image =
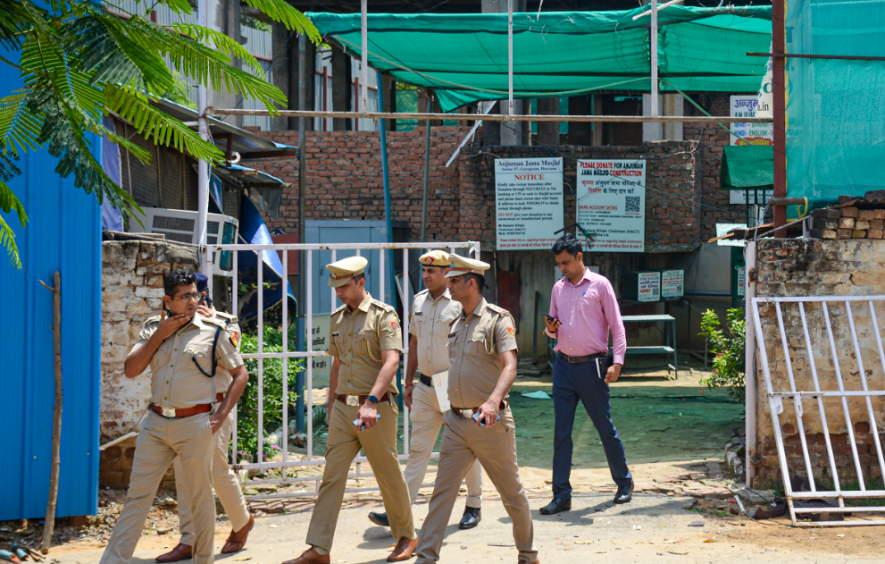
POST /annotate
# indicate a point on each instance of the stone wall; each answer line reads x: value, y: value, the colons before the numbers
x: 132, y: 290
x: 672, y: 220
x: 807, y: 267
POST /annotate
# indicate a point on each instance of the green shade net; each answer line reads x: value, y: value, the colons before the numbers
x: 747, y: 166
x: 464, y: 57
x: 835, y: 108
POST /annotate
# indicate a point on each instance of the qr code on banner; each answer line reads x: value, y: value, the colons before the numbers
x: 632, y: 204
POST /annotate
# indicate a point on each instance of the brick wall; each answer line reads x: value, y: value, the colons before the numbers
x: 712, y: 139
x: 807, y: 267
x: 132, y: 290
x: 344, y: 179
x: 672, y: 222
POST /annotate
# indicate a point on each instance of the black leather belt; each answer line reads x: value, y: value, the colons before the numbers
x: 427, y: 381
x: 582, y: 359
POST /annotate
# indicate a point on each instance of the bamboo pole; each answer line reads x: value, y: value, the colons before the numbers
x: 56, y: 415
x: 486, y: 117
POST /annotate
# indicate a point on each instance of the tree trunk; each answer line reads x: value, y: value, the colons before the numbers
x: 56, y: 424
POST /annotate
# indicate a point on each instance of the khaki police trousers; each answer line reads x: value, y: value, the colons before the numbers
x: 159, y: 441
x: 463, y: 443
x: 343, y: 444
x: 227, y: 487
x: 427, y: 419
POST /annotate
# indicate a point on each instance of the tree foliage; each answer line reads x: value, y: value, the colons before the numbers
x: 79, y: 62
x: 728, y: 364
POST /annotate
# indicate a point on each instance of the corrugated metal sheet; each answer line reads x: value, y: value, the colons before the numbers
x: 64, y: 233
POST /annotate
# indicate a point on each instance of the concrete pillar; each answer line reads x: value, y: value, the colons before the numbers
x: 670, y: 105
x: 342, y: 88
x: 548, y: 131
x: 389, y: 93
x: 285, y: 76
x: 284, y: 72
x: 596, y: 133
x: 311, y: 77
x: 508, y: 133
x: 580, y: 133
x: 226, y: 20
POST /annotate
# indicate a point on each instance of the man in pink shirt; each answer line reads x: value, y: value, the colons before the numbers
x: 583, y: 309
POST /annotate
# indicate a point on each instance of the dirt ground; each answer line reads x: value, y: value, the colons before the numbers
x: 674, y: 436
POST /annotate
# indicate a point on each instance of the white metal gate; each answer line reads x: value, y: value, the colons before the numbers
x: 816, y: 343
x: 405, y: 293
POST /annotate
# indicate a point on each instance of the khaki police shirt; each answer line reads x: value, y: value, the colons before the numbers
x: 176, y: 382
x: 223, y: 379
x: 357, y: 338
x: 429, y: 323
x: 475, y: 341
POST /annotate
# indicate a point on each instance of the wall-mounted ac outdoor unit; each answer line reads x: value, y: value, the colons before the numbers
x: 181, y: 226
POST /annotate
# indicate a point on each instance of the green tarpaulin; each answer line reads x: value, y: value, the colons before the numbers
x: 835, y: 115
x: 463, y: 57
x: 747, y: 167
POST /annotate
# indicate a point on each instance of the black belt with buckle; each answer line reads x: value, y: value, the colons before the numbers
x: 582, y: 359
x: 427, y: 381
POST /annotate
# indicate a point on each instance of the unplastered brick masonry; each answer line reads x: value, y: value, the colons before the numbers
x: 344, y: 181
x: 132, y: 290
x: 809, y: 267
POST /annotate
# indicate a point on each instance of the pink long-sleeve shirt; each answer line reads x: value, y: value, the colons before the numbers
x: 587, y: 311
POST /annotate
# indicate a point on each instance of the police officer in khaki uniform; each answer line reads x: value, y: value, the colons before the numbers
x: 181, y: 349
x: 433, y: 310
x: 482, y: 367
x: 225, y: 481
x: 366, y: 341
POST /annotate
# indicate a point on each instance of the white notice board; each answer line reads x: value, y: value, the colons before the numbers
x: 322, y: 365
x: 529, y: 203
x: 611, y: 204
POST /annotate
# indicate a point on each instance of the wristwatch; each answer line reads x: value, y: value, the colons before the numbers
x: 373, y: 399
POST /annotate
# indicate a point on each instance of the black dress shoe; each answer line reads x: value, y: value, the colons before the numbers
x: 556, y: 506
x: 472, y: 517
x: 624, y: 494
x: 379, y: 519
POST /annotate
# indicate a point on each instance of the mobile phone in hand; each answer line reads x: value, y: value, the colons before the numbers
x: 483, y: 423
x: 363, y: 426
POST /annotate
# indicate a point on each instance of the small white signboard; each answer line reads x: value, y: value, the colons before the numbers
x: 649, y: 286
x: 322, y: 365
x: 672, y: 283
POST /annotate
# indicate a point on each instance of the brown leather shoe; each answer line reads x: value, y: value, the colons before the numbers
x: 310, y: 556
x: 403, y: 550
x: 180, y: 552
x: 237, y: 539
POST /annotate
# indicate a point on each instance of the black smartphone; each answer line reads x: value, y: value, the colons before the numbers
x: 549, y: 318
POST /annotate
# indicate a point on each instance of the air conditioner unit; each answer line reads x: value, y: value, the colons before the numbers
x: 181, y: 226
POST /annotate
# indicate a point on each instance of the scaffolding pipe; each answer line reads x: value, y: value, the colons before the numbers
x: 300, y: 329
x: 364, y: 64
x: 391, y: 269
x: 426, y: 172
x: 203, y: 165
x: 487, y: 117
x: 653, y: 32
x: 779, y: 113
x: 510, y: 57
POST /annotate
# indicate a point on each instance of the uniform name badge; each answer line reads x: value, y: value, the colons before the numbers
x: 441, y: 387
